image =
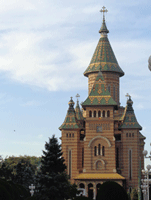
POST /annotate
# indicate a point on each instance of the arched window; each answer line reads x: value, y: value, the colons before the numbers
x: 99, y: 149
x: 81, y: 185
x: 103, y: 151
x: 103, y: 113
x: 90, y: 113
x: 99, y: 113
x: 132, y: 134
x: 126, y: 134
x: 67, y: 135
x: 129, y: 134
x: 70, y: 135
x: 108, y: 113
x: 95, y: 113
x: 95, y: 151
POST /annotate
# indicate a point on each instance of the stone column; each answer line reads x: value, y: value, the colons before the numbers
x: 86, y: 189
x: 94, y: 190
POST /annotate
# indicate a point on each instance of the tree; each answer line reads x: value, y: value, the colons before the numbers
x: 111, y: 191
x: 24, y: 173
x: 53, y: 180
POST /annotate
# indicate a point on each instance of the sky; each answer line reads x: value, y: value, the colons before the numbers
x: 46, y: 45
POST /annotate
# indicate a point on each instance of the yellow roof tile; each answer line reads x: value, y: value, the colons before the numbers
x: 100, y: 176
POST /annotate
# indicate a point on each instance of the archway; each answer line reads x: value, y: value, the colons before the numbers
x: 90, y: 190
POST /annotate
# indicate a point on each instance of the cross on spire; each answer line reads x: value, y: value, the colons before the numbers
x: 103, y: 10
x: 128, y: 96
x: 77, y: 96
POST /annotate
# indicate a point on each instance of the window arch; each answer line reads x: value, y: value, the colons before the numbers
x: 103, y: 113
x: 90, y: 113
x: 99, y: 113
x: 103, y: 151
x: 94, y: 113
x: 108, y: 113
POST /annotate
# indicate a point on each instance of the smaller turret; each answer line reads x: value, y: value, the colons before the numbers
x: 70, y: 121
x: 129, y: 118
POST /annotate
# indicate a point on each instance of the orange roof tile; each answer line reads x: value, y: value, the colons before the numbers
x: 100, y: 176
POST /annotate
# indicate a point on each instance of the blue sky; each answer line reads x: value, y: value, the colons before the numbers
x: 46, y: 45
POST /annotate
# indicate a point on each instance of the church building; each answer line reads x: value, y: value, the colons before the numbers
x: 102, y: 140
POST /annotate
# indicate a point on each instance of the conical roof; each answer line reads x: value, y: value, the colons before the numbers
x: 70, y: 121
x: 103, y: 58
x: 78, y: 112
x: 129, y: 118
x: 99, y: 94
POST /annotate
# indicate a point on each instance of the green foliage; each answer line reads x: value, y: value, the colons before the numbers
x: 111, y: 191
x: 11, y: 191
x: 134, y: 194
x: 52, y: 178
x: 24, y: 173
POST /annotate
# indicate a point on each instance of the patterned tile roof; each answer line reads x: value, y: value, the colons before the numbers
x: 99, y: 94
x: 103, y: 58
x: 70, y: 121
x: 78, y: 112
x: 141, y: 136
x: 129, y: 118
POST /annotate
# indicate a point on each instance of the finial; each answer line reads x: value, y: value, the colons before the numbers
x: 128, y: 96
x: 103, y: 10
x: 77, y: 96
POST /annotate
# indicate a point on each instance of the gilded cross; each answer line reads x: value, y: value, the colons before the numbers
x: 77, y: 96
x: 103, y: 10
x: 127, y: 95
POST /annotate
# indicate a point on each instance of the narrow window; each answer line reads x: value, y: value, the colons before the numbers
x: 130, y: 164
x: 72, y: 134
x: 126, y: 134
x: 103, y: 151
x: 82, y: 157
x: 109, y: 88
x: 67, y: 135
x: 114, y: 92
x: 99, y: 149
x: 117, y: 157
x: 103, y: 113
x: 129, y: 134
x: 99, y: 113
x: 95, y: 151
x: 132, y: 134
x: 108, y: 113
x: 69, y: 164
x: 90, y: 113
x: 94, y: 113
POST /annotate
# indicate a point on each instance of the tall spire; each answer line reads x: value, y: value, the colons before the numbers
x: 103, y: 58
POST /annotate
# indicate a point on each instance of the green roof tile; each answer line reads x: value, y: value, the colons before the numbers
x: 99, y: 94
x: 70, y: 121
x: 129, y: 118
x: 103, y: 58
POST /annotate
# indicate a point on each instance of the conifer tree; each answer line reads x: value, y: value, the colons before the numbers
x: 53, y: 180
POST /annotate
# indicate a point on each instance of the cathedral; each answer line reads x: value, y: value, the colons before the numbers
x: 101, y: 141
